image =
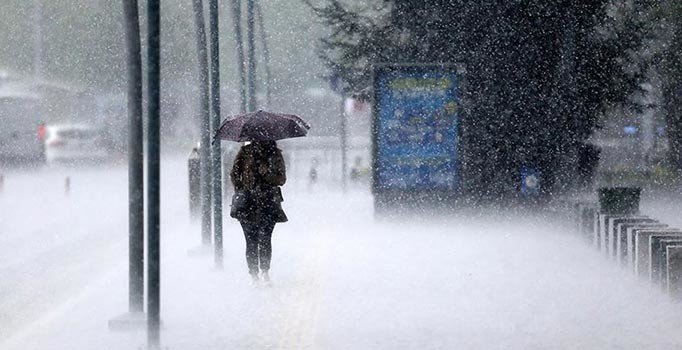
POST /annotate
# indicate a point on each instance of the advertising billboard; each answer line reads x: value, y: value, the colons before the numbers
x: 415, y: 130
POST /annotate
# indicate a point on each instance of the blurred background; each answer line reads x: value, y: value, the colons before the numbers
x: 62, y: 71
x: 63, y: 77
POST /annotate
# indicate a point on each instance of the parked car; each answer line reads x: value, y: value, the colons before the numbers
x: 76, y: 143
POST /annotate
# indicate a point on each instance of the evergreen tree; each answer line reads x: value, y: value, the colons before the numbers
x: 538, y: 74
x: 667, y: 25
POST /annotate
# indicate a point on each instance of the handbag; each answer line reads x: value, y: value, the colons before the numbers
x: 240, y: 204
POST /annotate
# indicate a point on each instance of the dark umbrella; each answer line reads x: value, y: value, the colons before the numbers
x: 262, y: 126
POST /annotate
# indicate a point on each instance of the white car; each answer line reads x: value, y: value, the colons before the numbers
x: 74, y: 143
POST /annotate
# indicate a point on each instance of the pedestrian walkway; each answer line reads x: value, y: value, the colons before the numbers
x: 344, y: 281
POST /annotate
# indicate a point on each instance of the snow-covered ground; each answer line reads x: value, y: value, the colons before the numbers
x: 341, y: 279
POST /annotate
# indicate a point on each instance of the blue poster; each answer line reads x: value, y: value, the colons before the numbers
x: 415, y: 128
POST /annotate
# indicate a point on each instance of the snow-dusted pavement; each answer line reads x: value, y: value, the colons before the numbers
x: 341, y: 279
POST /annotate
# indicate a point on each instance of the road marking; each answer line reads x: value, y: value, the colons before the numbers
x: 18, y: 338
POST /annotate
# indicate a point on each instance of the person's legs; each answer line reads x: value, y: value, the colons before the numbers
x: 265, y: 245
x: 251, y: 234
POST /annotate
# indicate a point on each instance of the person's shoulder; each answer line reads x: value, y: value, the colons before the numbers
x: 246, y: 149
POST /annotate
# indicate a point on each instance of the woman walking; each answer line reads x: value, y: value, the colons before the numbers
x: 257, y: 175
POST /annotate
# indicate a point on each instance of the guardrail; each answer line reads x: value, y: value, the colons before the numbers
x: 639, y: 243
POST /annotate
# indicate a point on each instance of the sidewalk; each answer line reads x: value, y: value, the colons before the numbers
x: 343, y: 281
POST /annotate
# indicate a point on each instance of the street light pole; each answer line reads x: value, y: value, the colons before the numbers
x: 153, y: 173
x: 567, y: 93
x: 237, y: 19
x: 250, y: 17
x: 266, y: 54
x: 135, y: 160
x: 344, y: 143
x: 37, y: 40
x: 215, y: 103
x: 204, y: 125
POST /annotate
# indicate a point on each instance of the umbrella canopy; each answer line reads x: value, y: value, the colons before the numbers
x: 262, y: 126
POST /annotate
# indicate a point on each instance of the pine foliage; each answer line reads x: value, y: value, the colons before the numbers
x: 539, y: 73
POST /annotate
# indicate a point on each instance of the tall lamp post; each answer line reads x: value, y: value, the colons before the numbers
x: 204, y: 124
x: 135, y: 159
x: 266, y: 53
x: 250, y: 19
x: 153, y: 174
x: 37, y: 40
x: 236, y: 22
x: 135, y: 316
x: 215, y: 123
x: 343, y: 131
x: 336, y: 85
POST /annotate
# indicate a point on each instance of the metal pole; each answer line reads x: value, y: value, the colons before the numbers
x: 344, y: 143
x: 568, y: 150
x: 37, y: 40
x: 204, y: 125
x: 266, y: 54
x: 135, y: 160
x: 237, y: 19
x: 154, y: 174
x: 251, y: 55
x: 215, y: 151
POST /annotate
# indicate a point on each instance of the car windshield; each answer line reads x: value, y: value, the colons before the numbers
x: 77, y: 134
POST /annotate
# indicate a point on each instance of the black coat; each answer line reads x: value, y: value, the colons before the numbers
x: 257, y: 175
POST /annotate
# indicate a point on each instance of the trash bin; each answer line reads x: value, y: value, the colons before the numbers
x: 619, y: 200
x: 194, y: 172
